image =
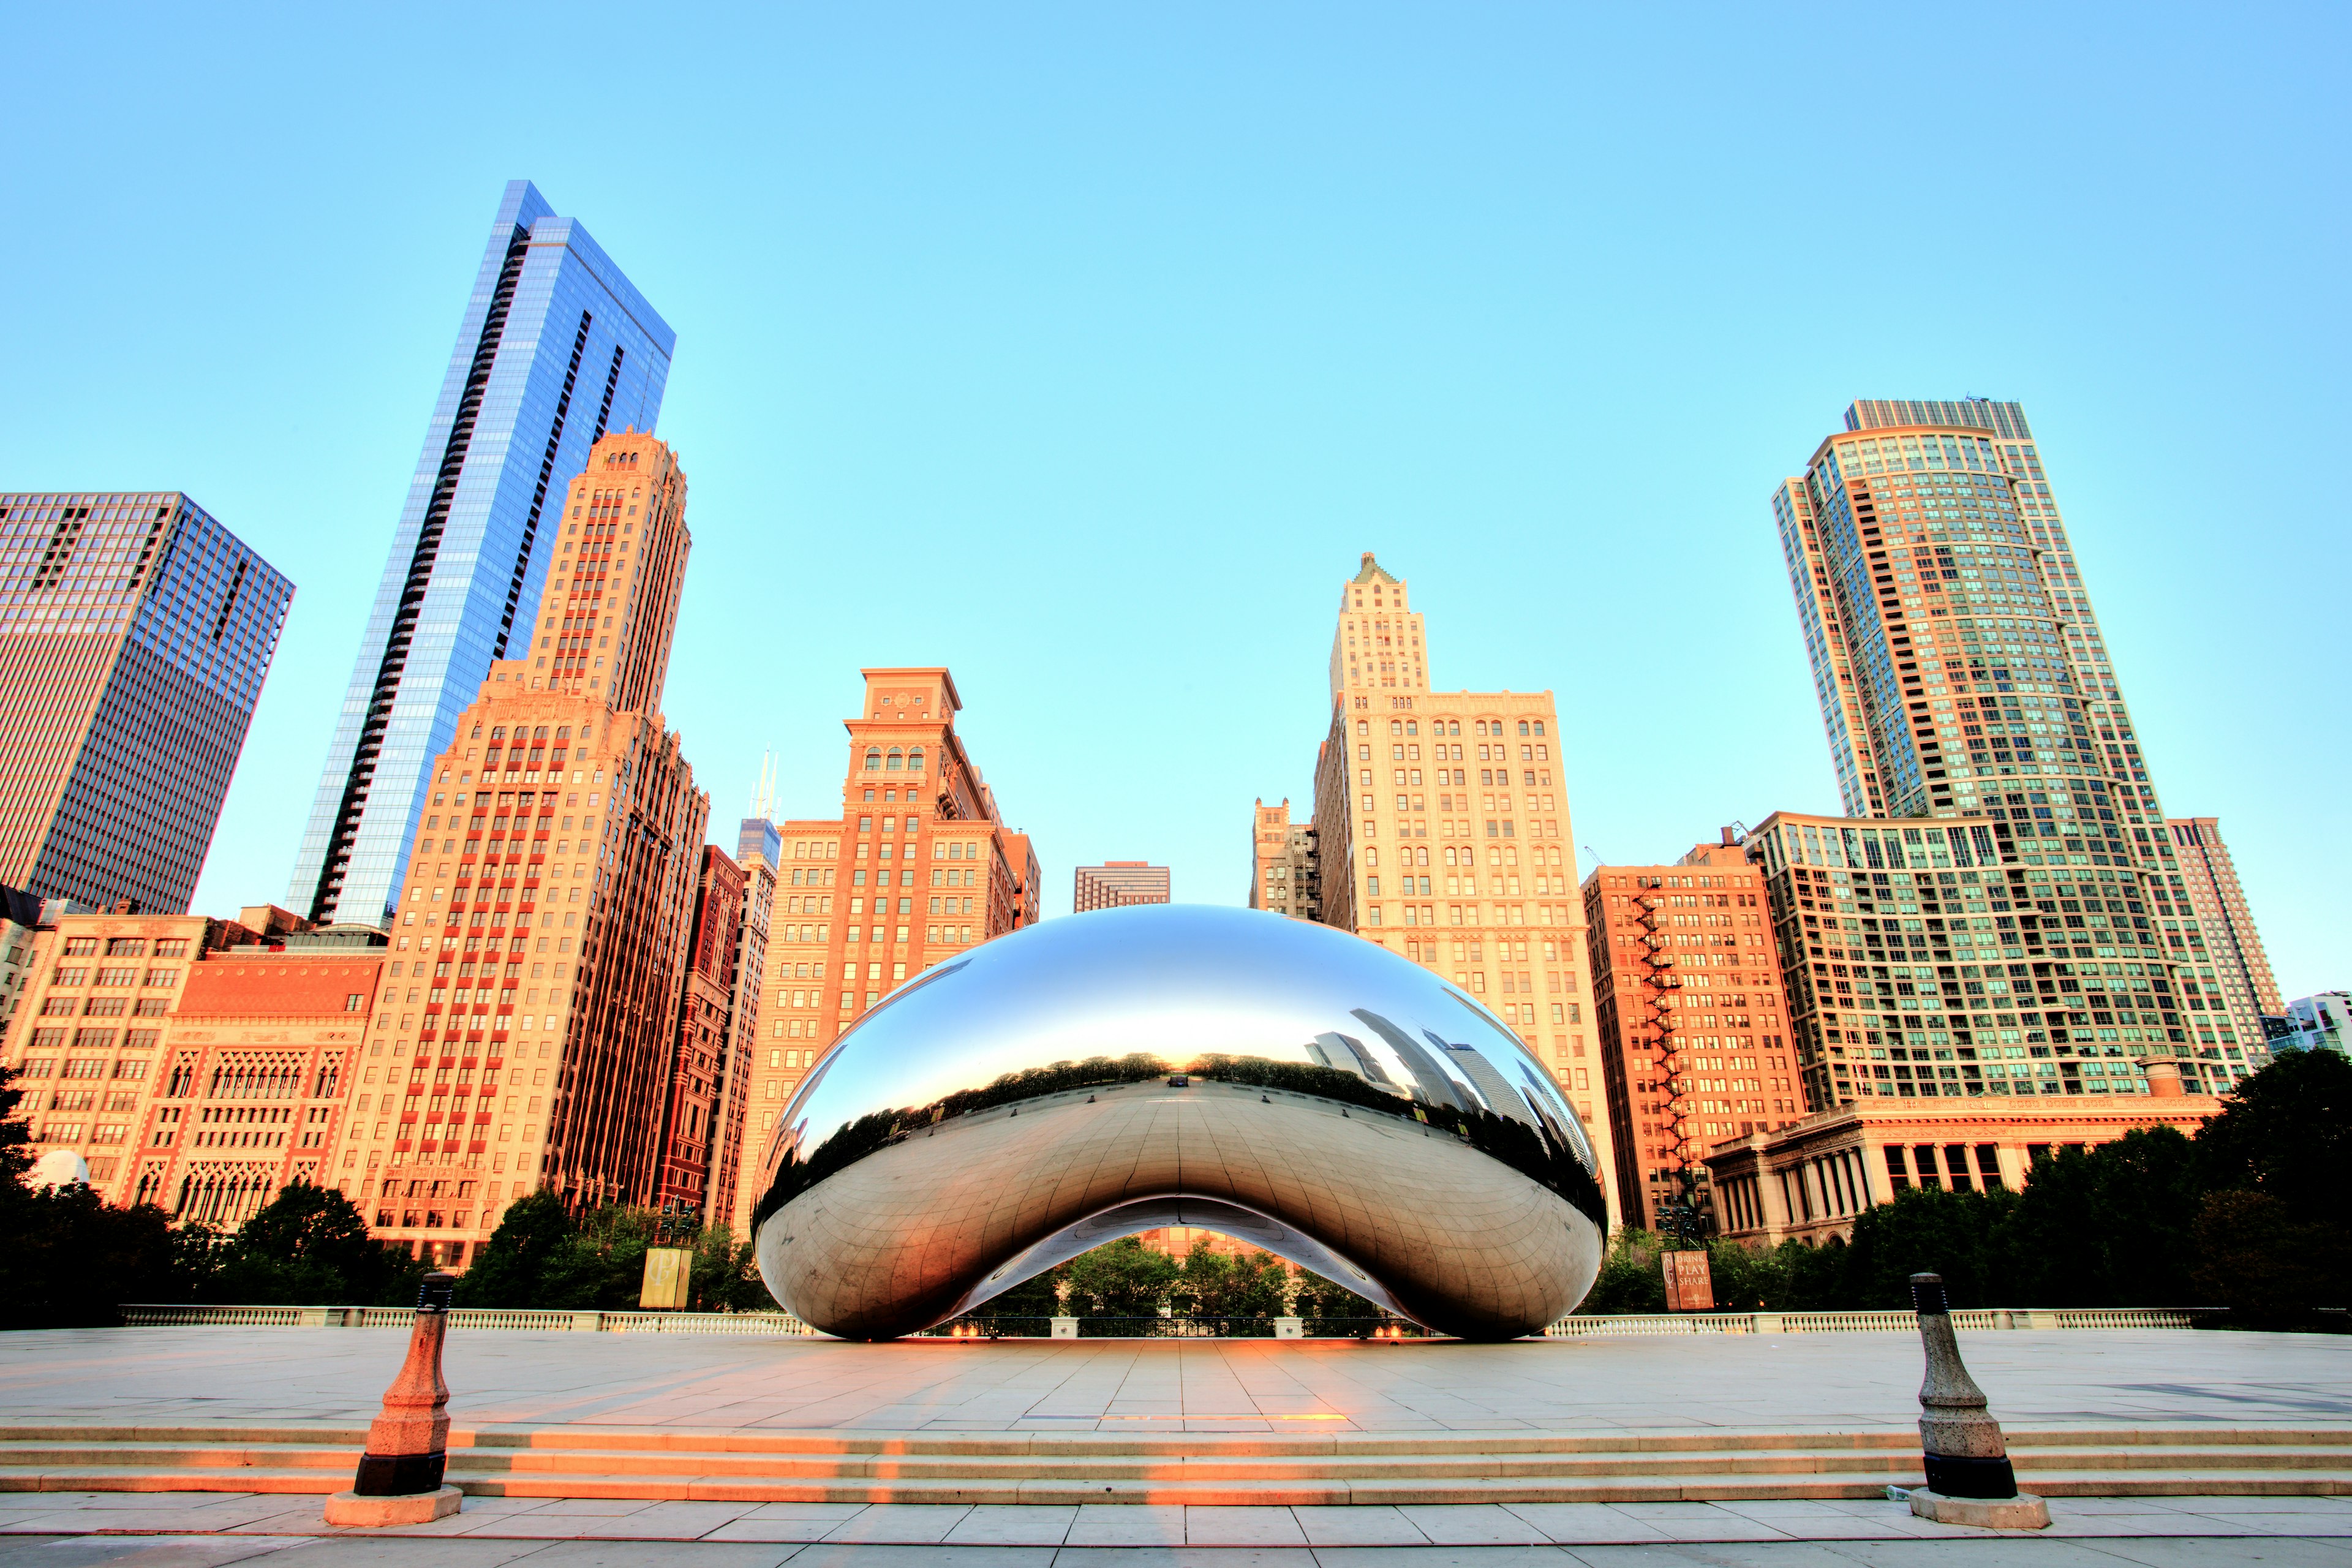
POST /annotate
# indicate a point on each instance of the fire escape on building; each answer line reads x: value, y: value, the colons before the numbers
x: 1684, y: 1215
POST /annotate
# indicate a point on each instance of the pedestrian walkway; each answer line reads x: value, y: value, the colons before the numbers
x: 204, y: 1528
x: 1779, y: 1382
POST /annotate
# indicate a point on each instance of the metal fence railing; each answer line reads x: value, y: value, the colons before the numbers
x: 784, y: 1324
x: 148, y: 1315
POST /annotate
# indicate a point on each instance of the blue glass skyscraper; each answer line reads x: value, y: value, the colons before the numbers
x: 556, y: 346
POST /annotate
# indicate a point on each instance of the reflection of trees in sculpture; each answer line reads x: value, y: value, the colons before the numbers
x: 1121, y: 1279
x: 1230, y: 1285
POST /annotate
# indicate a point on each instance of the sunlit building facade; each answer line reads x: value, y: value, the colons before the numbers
x: 539, y: 945
x: 918, y: 867
x: 1117, y: 882
x: 1442, y: 833
x: 1282, y: 863
x: 1692, y: 1029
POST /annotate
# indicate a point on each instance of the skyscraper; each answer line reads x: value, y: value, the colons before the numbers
x: 134, y: 635
x: 555, y: 347
x: 1477, y: 883
x: 1117, y: 882
x: 2248, y: 987
x: 694, y: 1127
x: 540, y: 944
x: 1960, y: 671
x: 757, y: 849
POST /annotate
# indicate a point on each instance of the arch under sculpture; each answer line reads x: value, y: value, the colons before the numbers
x: 1103, y: 1073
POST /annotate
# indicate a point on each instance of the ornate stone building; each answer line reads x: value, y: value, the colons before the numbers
x: 1443, y: 832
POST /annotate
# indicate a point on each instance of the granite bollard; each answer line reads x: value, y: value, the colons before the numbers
x: 399, y: 1478
x: 1969, y: 1479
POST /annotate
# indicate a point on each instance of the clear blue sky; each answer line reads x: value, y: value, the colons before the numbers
x: 1083, y: 348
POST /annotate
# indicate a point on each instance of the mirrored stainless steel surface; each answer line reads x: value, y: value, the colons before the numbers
x: 1106, y: 1073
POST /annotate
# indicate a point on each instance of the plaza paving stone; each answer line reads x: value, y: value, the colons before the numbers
x: 1792, y: 1384
x: 1772, y: 1383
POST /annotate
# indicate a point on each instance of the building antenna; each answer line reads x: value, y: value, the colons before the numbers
x: 763, y: 799
x: 1590, y: 855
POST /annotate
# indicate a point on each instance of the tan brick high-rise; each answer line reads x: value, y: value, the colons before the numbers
x: 919, y: 867
x: 538, y: 959
x: 1443, y: 832
x: 2248, y: 988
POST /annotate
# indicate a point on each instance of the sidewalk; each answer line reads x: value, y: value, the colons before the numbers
x: 1152, y: 1388
x: 201, y: 1529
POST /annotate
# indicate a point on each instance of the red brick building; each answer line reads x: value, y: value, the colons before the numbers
x: 692, y: 1136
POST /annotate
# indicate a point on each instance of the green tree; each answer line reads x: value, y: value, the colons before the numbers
x: 1121, y: 1279
x: 1926, y: 1229
x: 1813, y: 1278
x: 1630, y: 1281
x: 511, y: 1270
x: 2287, y: 1132
x: 1325, y: 1305
x: 727, y: 1275
x: 309, y: 1245
x: 1219, y: 1285
x: 2267, y: 1266
x: 73, y: 1259
x: 2106, y: 1226
x: 69, y: 1260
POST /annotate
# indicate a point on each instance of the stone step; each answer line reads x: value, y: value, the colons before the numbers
x: 1722, y: 1487
x: 1091, y: 1445
x: 544, y: 1467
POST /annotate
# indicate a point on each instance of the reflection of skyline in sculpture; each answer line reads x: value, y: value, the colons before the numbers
x: 1008, y: 1111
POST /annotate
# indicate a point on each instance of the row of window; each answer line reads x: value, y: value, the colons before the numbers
x: 1450, y: 727
x: 124, y: 947
x: 116, y: 976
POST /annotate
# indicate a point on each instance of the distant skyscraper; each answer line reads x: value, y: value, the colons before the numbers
x: 556, y: 347
x: 1117, y: 882
x: 134, y: 634
x: 1961, y: 672
x: 1477, y: 883
x: 2226, y: 923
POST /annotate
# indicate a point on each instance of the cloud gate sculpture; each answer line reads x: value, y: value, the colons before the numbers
x: 1103, y: 1073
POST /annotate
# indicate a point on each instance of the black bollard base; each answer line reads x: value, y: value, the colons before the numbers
x: 399, y: 1475
x: 1955, y: 1475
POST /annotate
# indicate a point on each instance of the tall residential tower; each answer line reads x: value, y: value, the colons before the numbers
x: 556, y: 347
x: 1961, y: 672
x: 134, y: 634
